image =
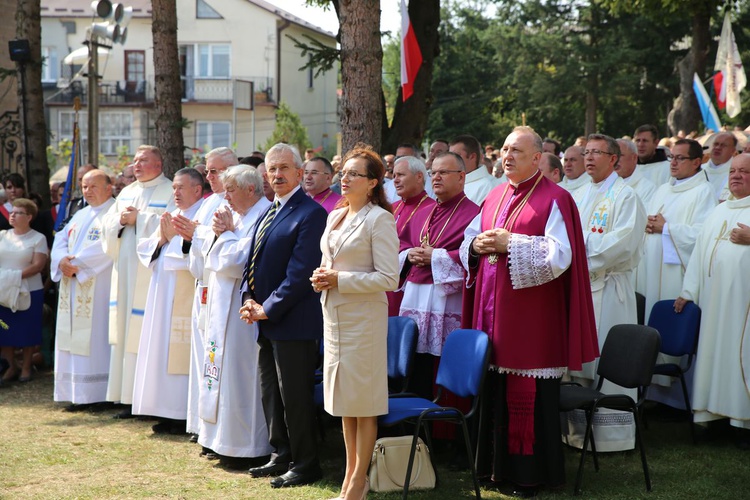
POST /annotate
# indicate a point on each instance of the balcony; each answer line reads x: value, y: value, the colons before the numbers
x: 222, y: 90
x: 194, y: 90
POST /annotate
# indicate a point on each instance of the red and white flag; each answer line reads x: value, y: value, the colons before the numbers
x: 411, y: 56
x: 729, y: 79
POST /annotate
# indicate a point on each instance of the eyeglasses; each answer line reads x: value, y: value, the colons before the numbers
x: 18, y: 213
x: 680, y: 158
x: 441, y: 173
x: 596, y: 152
x: 314, y: 172
x: 352, y: 174
x: 214, y: 171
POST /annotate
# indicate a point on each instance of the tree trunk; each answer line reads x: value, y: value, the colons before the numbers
x: 361, y: 73
x: 685, y: 114
x: 410, y: 117
x: 168, y: 86
x: 28, y: 22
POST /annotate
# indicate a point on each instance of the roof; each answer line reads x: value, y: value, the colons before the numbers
x: 142, y: 8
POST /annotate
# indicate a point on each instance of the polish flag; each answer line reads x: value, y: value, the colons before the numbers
x: 729, y: 79
x: 411, y: 56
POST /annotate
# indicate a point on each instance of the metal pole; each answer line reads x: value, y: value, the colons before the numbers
x: 93, y: 98
x: 26, y: 155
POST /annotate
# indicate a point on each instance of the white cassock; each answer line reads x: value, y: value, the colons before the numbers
x: 642, y: 186
x: 717, y: 175
x: 657, y: 172
x: 613, y: 221
x: 151, y: 198
x: 478, y: 184
x: 685, y: 205
x: 232, y: 422
x: 572, y: 185
x: 717, y: 280
x: 196, y: 265
x: 81, y: 344
x: 161, y: 373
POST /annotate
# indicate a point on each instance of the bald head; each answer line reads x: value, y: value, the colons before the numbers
x: 96, y: 187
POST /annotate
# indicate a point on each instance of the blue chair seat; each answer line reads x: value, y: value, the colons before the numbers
x: 400, y: 409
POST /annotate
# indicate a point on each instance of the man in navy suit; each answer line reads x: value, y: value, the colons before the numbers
x: 285, y: 250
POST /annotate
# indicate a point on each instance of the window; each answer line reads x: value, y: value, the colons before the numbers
x: 135, y: 65
x: 212, y: 61
x: 205, y: 11
x: 115, y: 129
x: 50, y: 65
x: 212, y: 135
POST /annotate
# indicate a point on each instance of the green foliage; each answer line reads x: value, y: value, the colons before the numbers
x: 321, y: 58
x: 59, y: 156
x: 391, y: 74
x: 540, y: 59
x: 289, y: 129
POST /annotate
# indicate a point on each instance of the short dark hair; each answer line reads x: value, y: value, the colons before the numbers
x: 695, y: 150
x: 612, y: 146
x: 456, y: 156
x: 325, y: 162
x: 557, y: 145
x: 253, y: 161
x: 555, y: 163
x: 414, y: 148
x: 194, y: 174
x: 470, y: 144
x: 648, y: 128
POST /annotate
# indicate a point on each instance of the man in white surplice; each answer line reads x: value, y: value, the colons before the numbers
x: 613, y: 221
x: 195, y: 232
x: 84, y: 271
x: 574, y: 170
x: 232, y: 422
x: 161, y: 373
x: 716, y: 279
x: 632, y: 176
x: 717, y: 167
x: 134, y: 215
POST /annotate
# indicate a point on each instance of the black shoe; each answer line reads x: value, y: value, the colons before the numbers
x: 294, y: 478
x: 193, y: 438
x: 101, y: 406
x: 235, y: 463
x: 169, y: 426
x: 74, y: 408
x: 126, y: 413
x: 208, y: 453
x: 272, y: 468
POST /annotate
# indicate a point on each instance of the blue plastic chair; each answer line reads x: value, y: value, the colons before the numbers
x: 402, y: 344
x: 679, y: 337
x: 462, y: 369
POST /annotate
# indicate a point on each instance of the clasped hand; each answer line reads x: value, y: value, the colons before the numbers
x: 184, y: 226
x: 324, y: 278
x: 492, y: 241
x: 67, y: 268
x: 420, y: 256
x: 251, y: 311
x: 222, y: 221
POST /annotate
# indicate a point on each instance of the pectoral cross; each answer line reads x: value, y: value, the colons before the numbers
x: 723, y: 235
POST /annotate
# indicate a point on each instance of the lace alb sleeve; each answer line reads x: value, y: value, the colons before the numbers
x: 447, y: 274
x: 536, y: 260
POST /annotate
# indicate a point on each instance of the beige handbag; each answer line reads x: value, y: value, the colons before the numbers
x: 390, y: 459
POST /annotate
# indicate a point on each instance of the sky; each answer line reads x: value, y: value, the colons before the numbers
x: 390, y: 15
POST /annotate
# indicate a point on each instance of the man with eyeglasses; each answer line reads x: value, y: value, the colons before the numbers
x: 317, y: 182
x: 194, y: 233
x: 652, y: 160
x: 633, y: 177
x: 613, y: 221
x: 717, y: 167
x: 676, y: 215
x: 434, y: 276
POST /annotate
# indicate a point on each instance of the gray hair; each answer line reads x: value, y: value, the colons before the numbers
x: 416, y: 165
x: 628, y: 144
x: 243, y: 176
x: 282, y: 147
x: 224, y: 154
x: 194, y: 175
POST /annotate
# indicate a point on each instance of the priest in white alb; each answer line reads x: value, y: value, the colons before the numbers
x: 717, y: 280
x: 633, y: 177
x: 134, y: 215
x: 161, y: 373
x: 613, y: 221
x: 194, y: 232
x: 232, y: 422
x: 717, y: 167
x: 84, y: 271
x: 575, y: 172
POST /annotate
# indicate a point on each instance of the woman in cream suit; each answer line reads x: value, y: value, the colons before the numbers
x: 360, y: 263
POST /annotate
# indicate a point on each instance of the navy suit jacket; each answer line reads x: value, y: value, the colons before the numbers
x: 288, y: 255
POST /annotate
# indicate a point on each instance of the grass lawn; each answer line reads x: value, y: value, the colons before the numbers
x: 47, y: 453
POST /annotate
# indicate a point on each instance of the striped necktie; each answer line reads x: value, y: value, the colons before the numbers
x: 258, y: 240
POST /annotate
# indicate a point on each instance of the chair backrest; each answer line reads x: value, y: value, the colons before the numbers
x: 402, y: 344
x: 464, y: 362
x: 640, y: 308
x: 629, y: 355
x: 679, y: 332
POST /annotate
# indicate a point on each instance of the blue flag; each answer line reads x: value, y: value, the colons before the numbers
x: 62, y: 213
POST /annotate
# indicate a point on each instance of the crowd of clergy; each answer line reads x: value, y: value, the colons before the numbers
x: 149, y: 281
